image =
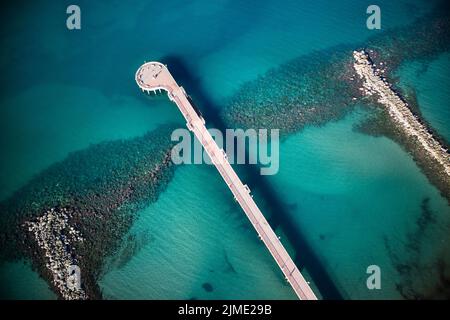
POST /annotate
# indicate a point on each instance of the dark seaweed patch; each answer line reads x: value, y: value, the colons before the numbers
x: 207, y: 287
x: 309, y: 90
x: 414, y: 280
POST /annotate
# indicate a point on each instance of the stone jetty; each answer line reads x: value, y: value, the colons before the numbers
x: 375, y: 84
x: 56, y: 237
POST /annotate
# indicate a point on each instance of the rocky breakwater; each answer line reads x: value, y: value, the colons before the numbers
x: 425, y: 144
x: 55, y: 237
x: 78, y: 211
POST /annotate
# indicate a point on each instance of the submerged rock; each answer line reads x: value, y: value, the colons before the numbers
x: 56, y: 238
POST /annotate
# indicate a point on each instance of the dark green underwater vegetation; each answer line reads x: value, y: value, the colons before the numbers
x: 102, y: 187
x: 420, y: 280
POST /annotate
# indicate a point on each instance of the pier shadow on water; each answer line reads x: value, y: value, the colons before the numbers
x: 305, y: 256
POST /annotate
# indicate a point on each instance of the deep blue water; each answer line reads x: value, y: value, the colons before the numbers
x: 348, y: 194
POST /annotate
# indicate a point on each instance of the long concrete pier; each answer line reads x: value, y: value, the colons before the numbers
x: 153, y: 77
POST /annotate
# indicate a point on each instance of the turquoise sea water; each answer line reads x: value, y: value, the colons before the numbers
x: 355, y: 198
x: 428, y: 79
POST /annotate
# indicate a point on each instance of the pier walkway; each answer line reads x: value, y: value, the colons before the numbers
x: 154, y: 76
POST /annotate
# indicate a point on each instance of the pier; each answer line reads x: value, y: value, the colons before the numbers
x: 154, y: 77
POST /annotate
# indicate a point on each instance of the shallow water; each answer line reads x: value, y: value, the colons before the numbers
x: 430, y: 81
